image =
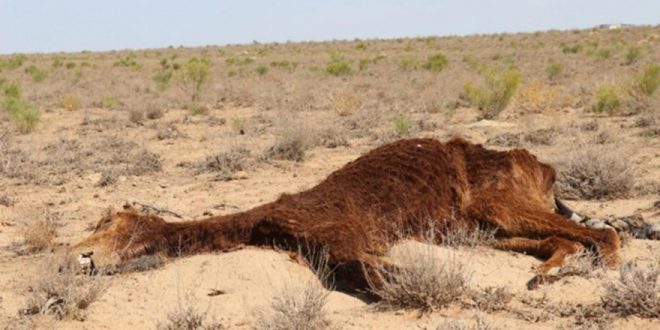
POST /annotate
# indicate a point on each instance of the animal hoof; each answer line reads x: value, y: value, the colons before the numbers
x: 597, y: 224
x: 535, y: 282
x: 86, y: 263
x: 653, y: 231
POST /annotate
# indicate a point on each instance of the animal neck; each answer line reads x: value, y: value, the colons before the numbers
x: 223, y: 233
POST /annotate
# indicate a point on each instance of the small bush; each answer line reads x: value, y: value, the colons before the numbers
x: 164, y: 75
x: 26, y: 119
x: 12, y: 90
x: 154, y: 111
x: 69, y: 102
x: 109, y: 102
x: 553, y: 70
x: 197, y: 109
x: 422, y: 281
x: 136, y: 116
x: 262, y: 69
x: 637, y: 292
x: 229, y: 162
x: 300, y: 306
x: 188, y: 318
x: 63, y: 294
x: 70, y: 65
x: 607, y: 100
x: 436, y: 63
x: 479, y: 324
x: 338, y: 66
x: 604, y: 53
x: 345, y: 103
x: 633, y: 55
x: 129, y: 61
x: 571, y: 49
x: 402, y: 125
x: 492, y: 98
x: 594, y: 172
x: 238, y: 124
x: 38, y: 234
x: 293, y: 143
x: 195, y: 76
x: 408, y: 64
x: 37, y: 74
x: 648, y: 82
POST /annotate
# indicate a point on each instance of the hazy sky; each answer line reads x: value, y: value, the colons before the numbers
x: 74, y: 25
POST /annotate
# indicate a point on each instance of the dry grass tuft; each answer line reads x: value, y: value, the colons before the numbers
x: 229, y: 162
x: 637, y: 292
x: 345, y: 103
x: 479, y: 324
x: 300, y: 306
x: 38, y: 233
x: 491, y: 299
x: 63, y: 294
x: 594, y: 172
x: 188, y: 318
x: 295, y: 140
x: 422, y: 280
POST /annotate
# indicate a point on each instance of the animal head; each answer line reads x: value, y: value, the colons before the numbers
x: 120, y: 236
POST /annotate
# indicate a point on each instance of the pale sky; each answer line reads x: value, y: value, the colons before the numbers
x: 75, y: 25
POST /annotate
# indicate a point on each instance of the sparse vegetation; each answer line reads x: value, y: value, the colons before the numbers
x: 300, y: 306
x: 194, y: 76
x: 293, y: 143
x: 422, y: 281
x: 338, y: 66
x: 607, y: 100
x: 632, y: 55
x: 108, y: 102
x: 70, y: 102
x: 594, y: 172
x: 553, y: 70
x: 24, y: 116
x: 495, y: 95
x: 649, y: 80
x: 637, y: 291
x: 225, y: 164
x: 402, y: 125
x: 63, y: 294
x: 436, y: 63
x: 345, y: 103
x: 39, y: 232
x: 188, y: 318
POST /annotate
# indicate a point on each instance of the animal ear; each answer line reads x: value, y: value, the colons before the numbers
x: 128, y: 207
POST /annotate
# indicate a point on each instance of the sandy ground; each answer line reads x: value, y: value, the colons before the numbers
x: 251, y: 277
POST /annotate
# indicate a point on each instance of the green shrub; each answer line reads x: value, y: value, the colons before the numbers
x: 338, y: 66
x: 197, y: 109
x: 436, y: 63
x: 408, y: 64
x: 12, y: 90
x: 262, y: 69
x: 129, y: 61
x: 70, y: 102
x: 70, y: 65
x: 402, y: 125
x: 364, y: 64
x: 553, y: 70
x: 195, y: 75
x: 12, y: 63
x: 572, y: 49
x: 604, y: 53
x: 632, y: 55
x: 26, y: 118
x: 649, y: 80
x: 37, y: 74
x: 57, y: 62
x: 109, y: 102
x: 607, y: 100
x: 495, y: 95
x: 285, y: 65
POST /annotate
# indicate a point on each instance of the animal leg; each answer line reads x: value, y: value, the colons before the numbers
x: 542, y: 224
x: 554, y: 249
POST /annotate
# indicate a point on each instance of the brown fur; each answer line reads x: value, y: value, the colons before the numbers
x: 360, y: 210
